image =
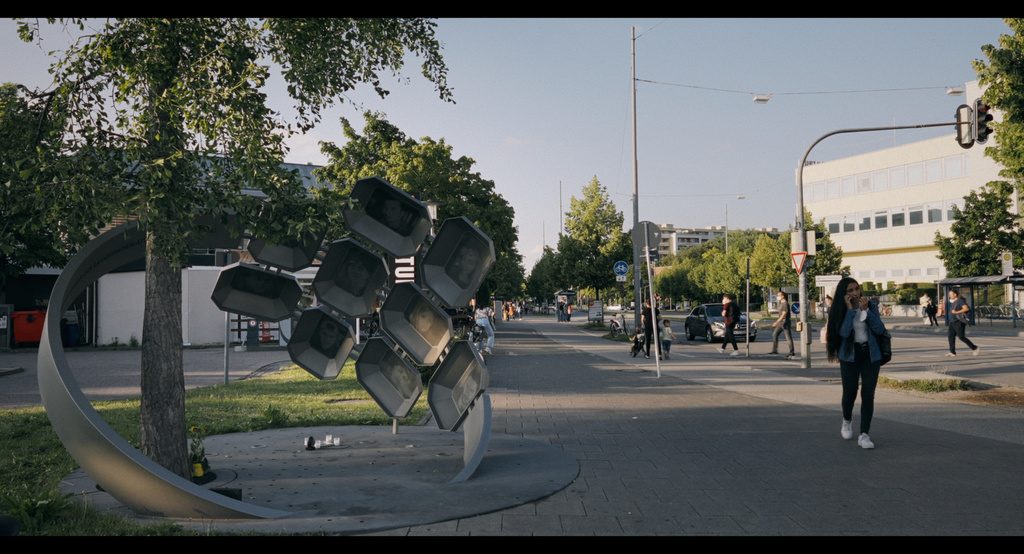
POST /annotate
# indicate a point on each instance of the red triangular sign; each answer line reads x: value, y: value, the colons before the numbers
x: 798, y: 260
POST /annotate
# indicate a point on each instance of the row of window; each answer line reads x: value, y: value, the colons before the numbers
x: 931, y: 273
x: 931, y: 171
x: 892, y: 218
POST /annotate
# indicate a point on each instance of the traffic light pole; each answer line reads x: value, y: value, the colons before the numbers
x: 805, y: 331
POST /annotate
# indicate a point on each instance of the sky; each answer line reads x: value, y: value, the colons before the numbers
x: 543, y: 106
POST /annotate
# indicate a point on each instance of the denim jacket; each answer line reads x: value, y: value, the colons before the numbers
x: 875, y: 326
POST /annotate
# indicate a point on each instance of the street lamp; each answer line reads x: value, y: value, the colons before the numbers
x: 738, y: 197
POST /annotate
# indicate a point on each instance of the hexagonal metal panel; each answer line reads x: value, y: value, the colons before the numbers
x: 293, y: 255
x: 457, y: 262
x: 418, y: 325
x: 253, y: 291
x: 390, y: 219
x: 321, y: 343
x: 459, y: 379
x: 392, y: 382
x: 350, y: 278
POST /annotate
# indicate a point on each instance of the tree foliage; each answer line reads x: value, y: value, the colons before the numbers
x: 593, y: 240
x: 428, y: 167
x: 167, y: 118
x: 1003, y: 80
x: 983, y: 229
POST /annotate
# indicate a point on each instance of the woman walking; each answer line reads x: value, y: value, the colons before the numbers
x: 853, y: 323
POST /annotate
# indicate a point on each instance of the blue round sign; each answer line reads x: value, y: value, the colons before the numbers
x: 796, y: 308
x: 621, y: 268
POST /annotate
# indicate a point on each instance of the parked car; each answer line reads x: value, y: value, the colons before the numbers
x: 706, y: 320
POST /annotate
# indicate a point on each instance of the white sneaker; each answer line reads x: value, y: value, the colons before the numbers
x: 735, y: 353
x: 847, y: 430
x: 721, y: 350
x: 488, y: 350
x: 976, y: 350
x: 950, y: 354
x: 865, y: 442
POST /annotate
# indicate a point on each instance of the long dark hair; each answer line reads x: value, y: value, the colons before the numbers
x: 836, y: 315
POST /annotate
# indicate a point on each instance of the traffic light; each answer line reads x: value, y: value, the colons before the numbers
x: 982, y: 117
x: 965, y: 131
x: 812, y: 242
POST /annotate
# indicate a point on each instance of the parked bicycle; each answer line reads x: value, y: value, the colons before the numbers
x: 619, y: 326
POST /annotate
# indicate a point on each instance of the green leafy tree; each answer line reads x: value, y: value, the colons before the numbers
x: 173, y: 117
x: 593, y: 240
x: 28, y: 138
x: 541, y: 283
x: 1003, y: 80
x: 428, y: 167
x: 770, y: 265
x: 983, y: 229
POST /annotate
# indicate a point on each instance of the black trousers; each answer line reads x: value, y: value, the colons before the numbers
x: 865, y: 371
x: 956, y: 329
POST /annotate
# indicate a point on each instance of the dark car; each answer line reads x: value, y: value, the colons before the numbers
x: 706, y: 321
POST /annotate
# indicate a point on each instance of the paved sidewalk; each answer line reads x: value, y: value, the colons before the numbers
x: 717, y: 446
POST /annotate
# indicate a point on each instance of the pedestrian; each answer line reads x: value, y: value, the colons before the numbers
x: 731, y: 313
x: 568, y: 312
x: 783, y: 325
x: 853, y: 323
x: 561, y: 311
x: 958, y: 322
x: 931, y: 309
x: 483, y: 318
x: 666, y: 338
x: 648, y: 321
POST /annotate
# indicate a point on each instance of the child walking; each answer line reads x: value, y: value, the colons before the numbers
x: 666, y: 338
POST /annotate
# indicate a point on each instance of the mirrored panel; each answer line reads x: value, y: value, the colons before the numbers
x: 418, y: 325
x: 253, y: 291
x: 293, y: 255
x: 350, y: 278
x: 389, y: 218
x: 459, y: 379
x: 392, y: 382
x: 457, y: 262
x: 321, y: 343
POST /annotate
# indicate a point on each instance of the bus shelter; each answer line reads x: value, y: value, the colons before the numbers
x: 991, y: 297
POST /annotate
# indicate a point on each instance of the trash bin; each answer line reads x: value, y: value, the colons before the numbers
x: 28, y: 326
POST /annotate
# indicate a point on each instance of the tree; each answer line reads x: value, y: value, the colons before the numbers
x: 593, y: 241
x: 427, y: 167
x: 1003, y: 80
x: 541, y: 284
x: 983, y: 229
x: 27, y: 139
x: 172, y: 116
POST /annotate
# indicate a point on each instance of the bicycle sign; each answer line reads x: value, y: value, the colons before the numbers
x: 621, y: 268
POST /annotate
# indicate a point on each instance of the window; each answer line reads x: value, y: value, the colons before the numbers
x: 950, y: 216
x: 880, y: 180
x: 833, y: 224
x: 897, y: 177
x: 881, y: 220
x: 915, y: 174
x: 914, y: 272
x: 899, y: 217
x: 916, y: 215
x: 934, y: 213
x: 933, y: 171
x: 954, y: 166
x: 864, y: 222
x: 848, y: 188
x: 833, y: 188
x: 863, y: 183
x: 849, y: 223
x: 819, y: 191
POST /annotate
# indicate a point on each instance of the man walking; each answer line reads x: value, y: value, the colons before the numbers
x: 782, y: 325
x: 731, y: 312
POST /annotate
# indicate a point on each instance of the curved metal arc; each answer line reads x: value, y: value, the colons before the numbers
x: 138, y: 482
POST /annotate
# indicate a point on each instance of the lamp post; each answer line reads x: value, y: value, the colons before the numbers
x: 738, y: 197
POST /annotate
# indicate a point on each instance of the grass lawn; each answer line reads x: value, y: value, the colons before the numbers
x: 33, y: 461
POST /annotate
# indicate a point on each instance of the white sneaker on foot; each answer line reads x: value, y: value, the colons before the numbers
x: 976, y: 350
x: 735, y: 353
x: 488, y: 350
x: 847, y: 430
x: 865, y: 442
x: 951, y: 354
x: 721, y: 350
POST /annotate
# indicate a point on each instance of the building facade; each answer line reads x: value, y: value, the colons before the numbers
x: 883, y: 208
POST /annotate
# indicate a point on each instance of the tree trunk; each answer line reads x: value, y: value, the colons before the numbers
x: 162, y: 421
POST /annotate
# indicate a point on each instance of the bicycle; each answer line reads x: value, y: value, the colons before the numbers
x: 618, y: 327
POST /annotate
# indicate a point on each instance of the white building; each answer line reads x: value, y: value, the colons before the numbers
x: 883, y: 208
